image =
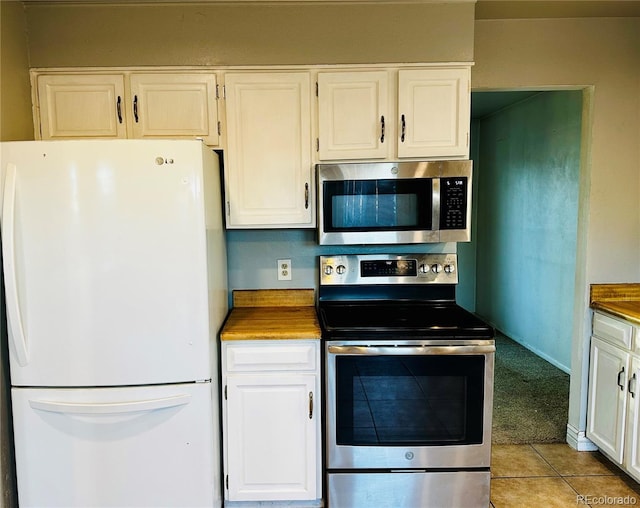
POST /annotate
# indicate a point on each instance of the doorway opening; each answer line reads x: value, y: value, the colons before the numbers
x: 526, y: 151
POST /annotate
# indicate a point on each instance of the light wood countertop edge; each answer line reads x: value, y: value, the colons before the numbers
x: 628, y: 310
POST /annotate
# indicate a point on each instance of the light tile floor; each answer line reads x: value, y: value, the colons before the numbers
x: 557, y: 476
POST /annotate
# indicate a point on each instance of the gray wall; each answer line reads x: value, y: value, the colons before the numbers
x: 241, y: 33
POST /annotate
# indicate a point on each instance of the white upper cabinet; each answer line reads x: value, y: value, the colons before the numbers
x: 434, y: 112
x: 128, y: 105
x: 354, y: 113
x: 268, y: 169
x: 174, y: 105
x: 82, y: 105
x: 394, y: 113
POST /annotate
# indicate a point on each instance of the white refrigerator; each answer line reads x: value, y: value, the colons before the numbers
x: 114, y: 265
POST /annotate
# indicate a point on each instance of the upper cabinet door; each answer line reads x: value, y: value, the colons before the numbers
x: 84, y: 105
x: 268, y: 173
x: 353, y: 114
x: 174, y: 105
x: 433, y: 112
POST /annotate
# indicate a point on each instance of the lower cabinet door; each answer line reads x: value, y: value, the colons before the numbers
x: 632, y: 447
x: 606, y: 414
x: 271, y: 437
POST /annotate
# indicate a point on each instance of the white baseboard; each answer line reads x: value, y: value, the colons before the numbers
x: 578, y: 440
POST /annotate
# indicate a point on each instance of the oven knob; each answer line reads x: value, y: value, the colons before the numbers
x: 341, y: 269
x: 437, y: 268
x: 424, y: 268
x: 449, y: 268
x: 328, y: 269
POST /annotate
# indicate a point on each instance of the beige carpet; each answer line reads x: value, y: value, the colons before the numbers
x: 531, y: 397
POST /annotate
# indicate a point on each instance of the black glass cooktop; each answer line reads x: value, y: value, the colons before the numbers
x: 399, y: 319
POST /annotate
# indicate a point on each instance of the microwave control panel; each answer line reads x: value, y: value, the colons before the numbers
x: 453, y: 202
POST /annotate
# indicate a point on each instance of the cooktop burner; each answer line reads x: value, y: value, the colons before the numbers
x: 400, y: 319
x: 394, y: 295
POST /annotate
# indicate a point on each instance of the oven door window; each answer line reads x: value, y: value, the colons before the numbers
x: 378, y: 205
x: 409, y: 400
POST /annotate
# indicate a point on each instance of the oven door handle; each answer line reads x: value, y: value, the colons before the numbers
x: 412, y: 350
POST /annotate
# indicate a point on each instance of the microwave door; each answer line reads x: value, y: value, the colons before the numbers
x: 378, y: 211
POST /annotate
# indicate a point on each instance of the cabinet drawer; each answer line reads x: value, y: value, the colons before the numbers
x: 270, y: 356
x: 613, y: 330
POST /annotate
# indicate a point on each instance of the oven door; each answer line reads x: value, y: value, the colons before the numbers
x: 409, y: 404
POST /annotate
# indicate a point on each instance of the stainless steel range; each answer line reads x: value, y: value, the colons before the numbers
x: 408, y: 384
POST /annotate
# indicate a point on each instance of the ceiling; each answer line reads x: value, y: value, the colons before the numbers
x: 486, y: 103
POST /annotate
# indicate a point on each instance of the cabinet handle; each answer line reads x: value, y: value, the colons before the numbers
x: 633, y: 378
x: 621, y: 383
x: 306, y: 196
x: 382, y: 129
x: 135, y: 107
x: 119, y: 109
x: 404, y: 128
x: 310, y: 405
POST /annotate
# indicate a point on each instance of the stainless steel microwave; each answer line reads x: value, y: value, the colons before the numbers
x: 394, y: 202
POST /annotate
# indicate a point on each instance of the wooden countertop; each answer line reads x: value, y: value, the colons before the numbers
x: 272, y: 314
x: 621, y: 300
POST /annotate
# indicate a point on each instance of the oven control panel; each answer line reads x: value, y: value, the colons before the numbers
x: 389, y: 269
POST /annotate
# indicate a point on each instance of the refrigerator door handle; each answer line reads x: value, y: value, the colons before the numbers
x: 108, y: 408
x: 14, y: 314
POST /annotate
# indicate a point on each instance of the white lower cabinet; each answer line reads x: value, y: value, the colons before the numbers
x: 271, y: 420
x: 613, y: 413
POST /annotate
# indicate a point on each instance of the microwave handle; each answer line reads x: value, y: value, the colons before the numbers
x: 412, y: 350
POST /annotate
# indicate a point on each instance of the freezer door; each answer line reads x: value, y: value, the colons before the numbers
x: 115, y: 447
x: 104, y: 252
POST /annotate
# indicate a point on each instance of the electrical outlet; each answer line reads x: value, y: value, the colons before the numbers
x: 284, y: 269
